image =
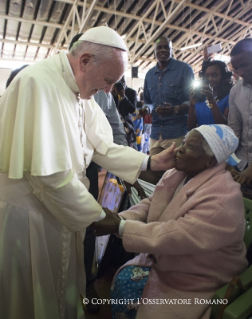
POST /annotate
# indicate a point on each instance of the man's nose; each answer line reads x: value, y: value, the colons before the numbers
x: 180, y: 149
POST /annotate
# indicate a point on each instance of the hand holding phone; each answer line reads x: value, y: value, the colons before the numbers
x: 214, y: 48
x: 165, y: 110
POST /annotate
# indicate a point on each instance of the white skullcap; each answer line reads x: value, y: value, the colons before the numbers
x: 105, y: 36
x: 222, y: 141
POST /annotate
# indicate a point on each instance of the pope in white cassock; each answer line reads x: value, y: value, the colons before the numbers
x: 48, y: 136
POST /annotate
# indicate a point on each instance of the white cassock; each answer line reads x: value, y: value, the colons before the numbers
x: 47, y: 139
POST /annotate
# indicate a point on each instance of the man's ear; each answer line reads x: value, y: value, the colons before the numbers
x: 84, y: 60
x: 155, y: 55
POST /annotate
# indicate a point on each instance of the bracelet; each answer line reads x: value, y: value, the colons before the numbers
x: 176, y: 109
x: 149, y: 164
x: 210, y: 106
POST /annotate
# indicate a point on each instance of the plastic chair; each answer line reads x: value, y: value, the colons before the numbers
x: 241, y: 307
x: 248, y: 218
x: 240, y: 310
x: 239, y: 291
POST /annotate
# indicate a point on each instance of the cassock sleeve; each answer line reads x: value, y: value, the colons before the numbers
x: 121, y: 161
x: 66, y: 198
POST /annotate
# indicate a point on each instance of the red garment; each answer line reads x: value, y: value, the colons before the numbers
x: 148, y: 119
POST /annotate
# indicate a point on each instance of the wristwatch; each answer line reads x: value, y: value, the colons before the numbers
x: 210, y: 105
x: 147, y: 109
x: 176, y: 109
x: 149, y: 164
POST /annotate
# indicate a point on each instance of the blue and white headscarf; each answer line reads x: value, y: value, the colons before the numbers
x: 222, y: 142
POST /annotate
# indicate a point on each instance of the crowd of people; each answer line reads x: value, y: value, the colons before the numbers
x: 65, y: 117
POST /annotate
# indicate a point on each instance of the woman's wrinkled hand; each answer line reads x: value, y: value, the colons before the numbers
x: 244, y: 177
x: 138, y: 188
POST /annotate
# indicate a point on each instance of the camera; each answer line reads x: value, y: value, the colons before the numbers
x: 119, y: 86
x: 197, y: 85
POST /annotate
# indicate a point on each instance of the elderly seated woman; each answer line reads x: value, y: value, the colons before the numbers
x: 189, y: 234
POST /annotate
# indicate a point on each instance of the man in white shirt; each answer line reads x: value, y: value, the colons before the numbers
x: 240, y: 108
x: 47, y: 140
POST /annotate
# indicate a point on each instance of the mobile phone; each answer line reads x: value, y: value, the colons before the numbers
x: 197, y: 89
x: 214, y: 48
x: 167, y: 105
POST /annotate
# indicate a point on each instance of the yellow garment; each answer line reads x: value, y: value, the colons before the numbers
x: 138, y: 139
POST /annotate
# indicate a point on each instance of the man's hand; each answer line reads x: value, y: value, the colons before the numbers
x: 206, y: 55
x: 138, y: 187
x: 166, y: 110
x: 116, y: 91
x: 164, y: 160
x: 244, y: 177
x: 108, y: 225
x: 142, y: 112
x: 121, y: 93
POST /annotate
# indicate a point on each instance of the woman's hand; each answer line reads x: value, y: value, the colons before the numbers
x: 137, y: 186
x: 244, y: 177
x: 192, y: 97
x: 207, y: 91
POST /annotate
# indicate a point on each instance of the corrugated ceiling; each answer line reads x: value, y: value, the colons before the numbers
x: 32, y: 30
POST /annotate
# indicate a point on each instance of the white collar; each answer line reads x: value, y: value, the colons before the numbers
x: 68, y: 74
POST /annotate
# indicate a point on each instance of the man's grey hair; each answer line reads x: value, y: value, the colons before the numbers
x: 99, y: 52
x: 205, y: 145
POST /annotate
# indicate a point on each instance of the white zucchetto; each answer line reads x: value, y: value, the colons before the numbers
x: 105, y: 36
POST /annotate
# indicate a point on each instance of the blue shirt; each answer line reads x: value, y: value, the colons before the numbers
x: 170, y: 85
x: 204, y: 114
x: 138, y: 123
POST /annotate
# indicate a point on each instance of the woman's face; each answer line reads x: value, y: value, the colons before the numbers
x: 213, y: 75
x: 191, y: 157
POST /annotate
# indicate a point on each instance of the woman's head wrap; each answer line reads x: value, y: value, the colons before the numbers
x: 222, y: 141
